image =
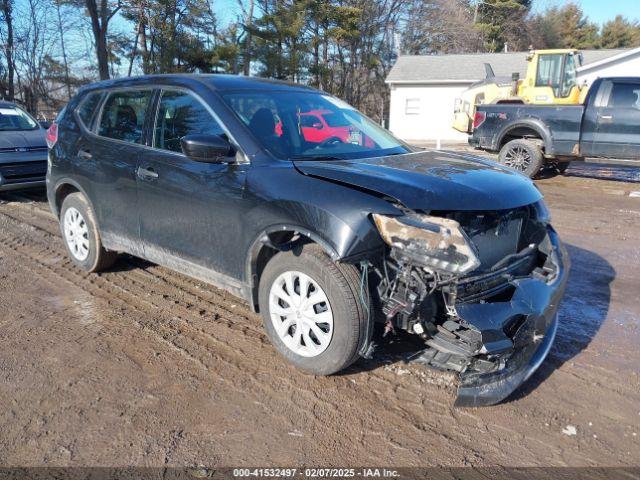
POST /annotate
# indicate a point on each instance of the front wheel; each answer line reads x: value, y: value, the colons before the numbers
x: 523, y: 156
x: 314, y: 310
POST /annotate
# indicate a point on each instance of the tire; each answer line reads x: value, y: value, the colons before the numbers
x: 340, y: 283
x: 562, y: 167
x: 522, y: 156
x: 81, y: 237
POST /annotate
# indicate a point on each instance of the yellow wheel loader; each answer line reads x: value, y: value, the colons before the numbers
x: 551, y: 79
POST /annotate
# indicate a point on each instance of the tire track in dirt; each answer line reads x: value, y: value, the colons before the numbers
x: 176, y: 336
x: 384, y: 397
x: 172, y: 336
x: 409, y: 420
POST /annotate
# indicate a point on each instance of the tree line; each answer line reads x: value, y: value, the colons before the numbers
x: 345, y: 47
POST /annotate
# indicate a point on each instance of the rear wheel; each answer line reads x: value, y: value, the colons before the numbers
x: 81, y: 237
x: 312, y: 310
x: 523, y: 156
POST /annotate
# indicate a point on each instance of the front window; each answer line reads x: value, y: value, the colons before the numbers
x: 287, y: 124
x: 180, y: 114
x: 14, y: 118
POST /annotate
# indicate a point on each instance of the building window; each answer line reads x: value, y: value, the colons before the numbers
x: 412, y: 106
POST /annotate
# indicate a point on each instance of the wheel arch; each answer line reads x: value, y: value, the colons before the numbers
x: 272, y: 240
x: 63, y: 189
x: 525, y: 129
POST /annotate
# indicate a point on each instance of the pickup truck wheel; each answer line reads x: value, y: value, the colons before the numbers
x: 312, y: 311
x: 523, y: 156
x: 562, y: 167
x: 81, y: 237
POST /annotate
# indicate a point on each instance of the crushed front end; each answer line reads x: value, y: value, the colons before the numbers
x: 481, y: 288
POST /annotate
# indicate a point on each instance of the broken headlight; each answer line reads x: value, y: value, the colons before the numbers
x: 437, y: 243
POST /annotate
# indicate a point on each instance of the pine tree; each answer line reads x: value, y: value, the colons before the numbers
x: 496, y: 17
x: 620, y: 33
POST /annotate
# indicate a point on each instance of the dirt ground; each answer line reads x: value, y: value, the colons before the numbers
x: 143, y: 366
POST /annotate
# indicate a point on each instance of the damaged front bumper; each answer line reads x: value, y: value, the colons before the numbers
x: 494, y: 327
x: 518, y: 333
x: 483, y: 390
x: 530, y: 318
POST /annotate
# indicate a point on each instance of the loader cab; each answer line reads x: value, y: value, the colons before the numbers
x: 552, y: 77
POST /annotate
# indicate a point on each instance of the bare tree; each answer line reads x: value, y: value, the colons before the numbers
x: 440, y: 26
x: 33, y: 47
x: 62, y: 47
x: 7, y: 14
x: 101, y: 13
x: 247, y: 10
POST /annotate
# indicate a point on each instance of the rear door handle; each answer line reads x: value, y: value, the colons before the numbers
x: 606, y: 117
x: 84, y: 155
x: 147, y: 173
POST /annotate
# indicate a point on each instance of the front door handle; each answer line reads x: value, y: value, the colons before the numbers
x: 147, y: 173
x: 84, y: 155
x: 606, y: 118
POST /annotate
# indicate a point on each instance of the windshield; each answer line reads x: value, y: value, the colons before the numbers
x: 310, y: 125
x: 14, y: 118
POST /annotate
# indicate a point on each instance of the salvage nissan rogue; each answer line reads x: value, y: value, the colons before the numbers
x: 223, y: 178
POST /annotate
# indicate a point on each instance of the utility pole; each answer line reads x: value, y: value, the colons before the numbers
x: 475, y: 11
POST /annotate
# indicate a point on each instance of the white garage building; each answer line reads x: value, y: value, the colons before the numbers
x: 424, y: 88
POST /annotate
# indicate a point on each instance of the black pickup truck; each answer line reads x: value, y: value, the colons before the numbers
x: 528, y: 136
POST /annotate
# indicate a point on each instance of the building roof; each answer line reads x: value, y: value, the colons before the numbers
x: 469, y: 68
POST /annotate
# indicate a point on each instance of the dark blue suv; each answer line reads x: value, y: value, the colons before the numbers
x: 214, y: 176
x: 23, y: 151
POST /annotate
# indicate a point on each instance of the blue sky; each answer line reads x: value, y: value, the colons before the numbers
x: 598, y: 10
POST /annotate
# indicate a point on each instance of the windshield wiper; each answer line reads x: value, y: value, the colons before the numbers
x: 317, y: 158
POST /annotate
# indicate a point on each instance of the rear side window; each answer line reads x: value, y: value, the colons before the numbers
x: 123, y: 115
x: 181, y: 114
x: 87, y: 108
x: 625, y: 95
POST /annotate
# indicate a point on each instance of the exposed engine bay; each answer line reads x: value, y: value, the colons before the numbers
x: 480, y: 288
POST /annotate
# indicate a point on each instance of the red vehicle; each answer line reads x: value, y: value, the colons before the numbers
x: 325, y: 126
x: 320, y: 125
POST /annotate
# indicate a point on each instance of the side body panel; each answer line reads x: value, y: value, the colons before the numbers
x: 558, y: 126
x: 609, y: 129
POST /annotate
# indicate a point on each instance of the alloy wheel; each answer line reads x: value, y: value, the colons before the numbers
x: 518, y: 158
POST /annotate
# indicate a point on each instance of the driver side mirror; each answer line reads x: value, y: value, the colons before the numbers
x: 206, y: 148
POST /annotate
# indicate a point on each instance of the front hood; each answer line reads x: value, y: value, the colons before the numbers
x: 23, y: 138
x: 431, y: 180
